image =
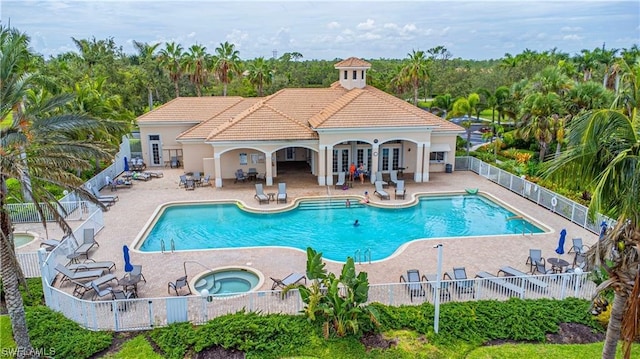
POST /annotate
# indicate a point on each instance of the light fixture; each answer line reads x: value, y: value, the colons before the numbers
x: 375, y: 154
x: 375, y: 140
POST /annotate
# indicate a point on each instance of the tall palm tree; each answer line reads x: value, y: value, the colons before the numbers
x: 416, y: 71
x: 197, y: 66
x: 465, y: 106
x: 147, y: 59
x: 226, y: 64
x: 539, y: 113
x: 603, y: 152
x: 260, y: 74
x: 172, y: 59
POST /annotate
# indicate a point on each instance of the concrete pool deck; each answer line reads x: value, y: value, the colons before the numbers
x: 128, y: 217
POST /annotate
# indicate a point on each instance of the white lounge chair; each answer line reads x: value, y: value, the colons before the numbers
x: 400, y: 190
x: 380, y: 192
x: 385, y: 184
x: 282, y: 193
x: 260, y: 196
x: 393, y: 177
x: 341, y: 180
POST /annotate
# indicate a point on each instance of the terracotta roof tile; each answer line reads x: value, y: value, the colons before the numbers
x: 205, y: 129
x: 263, y: 122
x: 190, y: 109
x: 352, y: 62
x: 302, y: 104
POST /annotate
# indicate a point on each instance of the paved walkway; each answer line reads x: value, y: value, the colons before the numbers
x: 128, y: 218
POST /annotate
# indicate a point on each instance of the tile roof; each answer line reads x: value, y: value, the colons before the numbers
x: 204, y: 129
x: 262, y: 122
x: 190, y: 109
x: 352, y: 62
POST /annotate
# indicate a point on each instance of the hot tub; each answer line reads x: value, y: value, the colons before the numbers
x: 23, y: 238
x: 227, y: 281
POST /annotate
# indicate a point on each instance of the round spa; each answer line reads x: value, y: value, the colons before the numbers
x: 23, y: 238
x: 226, y: 281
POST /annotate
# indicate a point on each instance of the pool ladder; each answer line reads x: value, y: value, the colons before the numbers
x: 162, y: 246
x: 362, y: 256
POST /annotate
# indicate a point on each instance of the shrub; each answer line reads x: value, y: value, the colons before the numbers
x: 175, y: 339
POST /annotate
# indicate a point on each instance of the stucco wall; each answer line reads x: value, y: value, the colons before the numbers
x: 168, y: 136
x: 193, y: 155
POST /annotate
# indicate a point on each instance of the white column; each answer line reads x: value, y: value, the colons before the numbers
x: 417, y: 175
x: 218, y: 169
x: 329, y: 166
x: 322, y: 165
x: 268, y: 162
x: 426, y: 162
x: 375, y: 161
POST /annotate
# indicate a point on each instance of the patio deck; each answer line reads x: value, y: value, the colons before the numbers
x: 127, y: 218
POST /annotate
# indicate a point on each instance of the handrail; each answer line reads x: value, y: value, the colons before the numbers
x: 173, y: 245
x: 162, y: 248
x: 356, y: 256
x: 184, y: 265
x: 367, y: 255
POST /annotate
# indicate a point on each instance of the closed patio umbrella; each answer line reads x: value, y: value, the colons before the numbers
x: 126, y: 164
x: 127, y: 261
x: 563, y: 235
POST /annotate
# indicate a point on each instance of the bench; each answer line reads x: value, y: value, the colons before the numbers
x: 501, y: 282
x: 512, y: 272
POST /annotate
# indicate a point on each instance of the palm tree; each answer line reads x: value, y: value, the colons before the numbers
x: 465, y: 106
x: 197, y: 66
x: 603, y: 152
x: 37, y: 141
x: 540, y: 111
x: 416, y: 71
x: 442, y: 104
x: 260, y: 74
x: 172, y: 58
x: 226, y: 63
x: 146, y: 55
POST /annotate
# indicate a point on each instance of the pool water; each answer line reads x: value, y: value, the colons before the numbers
x: 227, y: 281
x: 328, y: 226
x: 20, y: 239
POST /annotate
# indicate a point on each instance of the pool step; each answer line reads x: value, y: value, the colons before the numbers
x: 337, y: 204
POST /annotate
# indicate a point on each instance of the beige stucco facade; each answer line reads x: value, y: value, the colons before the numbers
x: 322, y: 130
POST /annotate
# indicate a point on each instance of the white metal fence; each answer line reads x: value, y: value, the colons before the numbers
x: 552, y: 201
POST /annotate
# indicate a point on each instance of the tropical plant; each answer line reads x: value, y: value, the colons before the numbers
x: 603, y: 153
x: 149, y: 63
x: 197, y: 66
x: 465, y: 106
x: 172, y: 59
x: 260, y: 74
x: 226, y: 64
x: 416, y: 71
x: 338, y: 300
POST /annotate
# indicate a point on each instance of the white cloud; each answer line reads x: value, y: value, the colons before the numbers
x: 333, y: 25
x: 570, y: 29
x: 191, y: 35
x: 367, y: 25
x: 572, y: 37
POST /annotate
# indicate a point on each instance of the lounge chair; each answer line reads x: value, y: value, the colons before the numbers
x: 190, y: 185
x: 88, y: 241
x: 414, y: 287
x: 260, y: 196
x: 156, y: 174
x: 291, y: 279
x: 578, y: 247
x: 105, y: 199
x: 282, y: 193
x: 50, y: 244
x: 83, y: 287
x: 463, y: 284
x: 380, y: 192
x: 393, y: 178
x: 91, y: 265
x: 500, y: 283
x: 178, y: 284
x: 385, y: 184
x: 341, y: 180
x: 240, y: 176
x: 99, y: 293
x: 206, y: 181
x: 68, y: 274
x: 509, y: 271
x: 535, y: 255
x: 183, y: 181
x: 141, y: 176
x: 400, y: 190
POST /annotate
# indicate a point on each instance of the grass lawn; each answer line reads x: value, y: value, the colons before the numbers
x: 6, y: 337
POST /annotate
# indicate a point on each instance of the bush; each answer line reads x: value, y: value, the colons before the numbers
x: 34, y: 296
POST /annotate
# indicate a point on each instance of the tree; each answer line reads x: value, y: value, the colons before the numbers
x: 226, y: 64
x: 416, y: 71
x: 260, y: 74
x: 603, y: 152
x: 442, y: 104
x: 197, y: 66
x: 146, y: 55
x: 172, y: 59
x: 465, y: 106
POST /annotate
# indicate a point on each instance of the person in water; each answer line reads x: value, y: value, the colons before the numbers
x: 348, y: 203
x: 366, y: 197
x: 356, y: 223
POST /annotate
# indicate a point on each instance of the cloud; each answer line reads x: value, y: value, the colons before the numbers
x: 572, y: 37
x: 367, y: 25
x: 191, y: 35
x: 333, y: 25
x: 570, y: 29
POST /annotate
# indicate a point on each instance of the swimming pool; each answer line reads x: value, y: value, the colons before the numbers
x: 327, y: 226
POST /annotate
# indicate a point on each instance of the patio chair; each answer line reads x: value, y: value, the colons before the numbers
x: 49, y: 244
x: 282, y: 193
x: 68, y: 274
x: 579, y: 261
x: 431, y: 280
x: 414, y: 287
x: 175, y: 163
x: 179, y: 284
x: 381, y: 192
x: 578, y: 247
x: 540, y: 267
x: 183, y: 181
x: 206, y: 181
x: 393, y: 178
x: 400, y: 190
x: 341, y: 180
x: 240, y: 176
x: 190, y: 185
x: 260, y: 196
x: 196, y: 178
x: 107, y: 200
x: 88, y: 241
x: 462, y: 284
x: 99, y: 293
x: 535, y: 255
x: 385, y: 184
x: 291, y: 279
x: 92, y: 265
x: 261, y: 177
x: 81, y: 288
x: 136, y: 272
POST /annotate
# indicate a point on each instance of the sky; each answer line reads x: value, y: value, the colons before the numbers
x: 333, y: 29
